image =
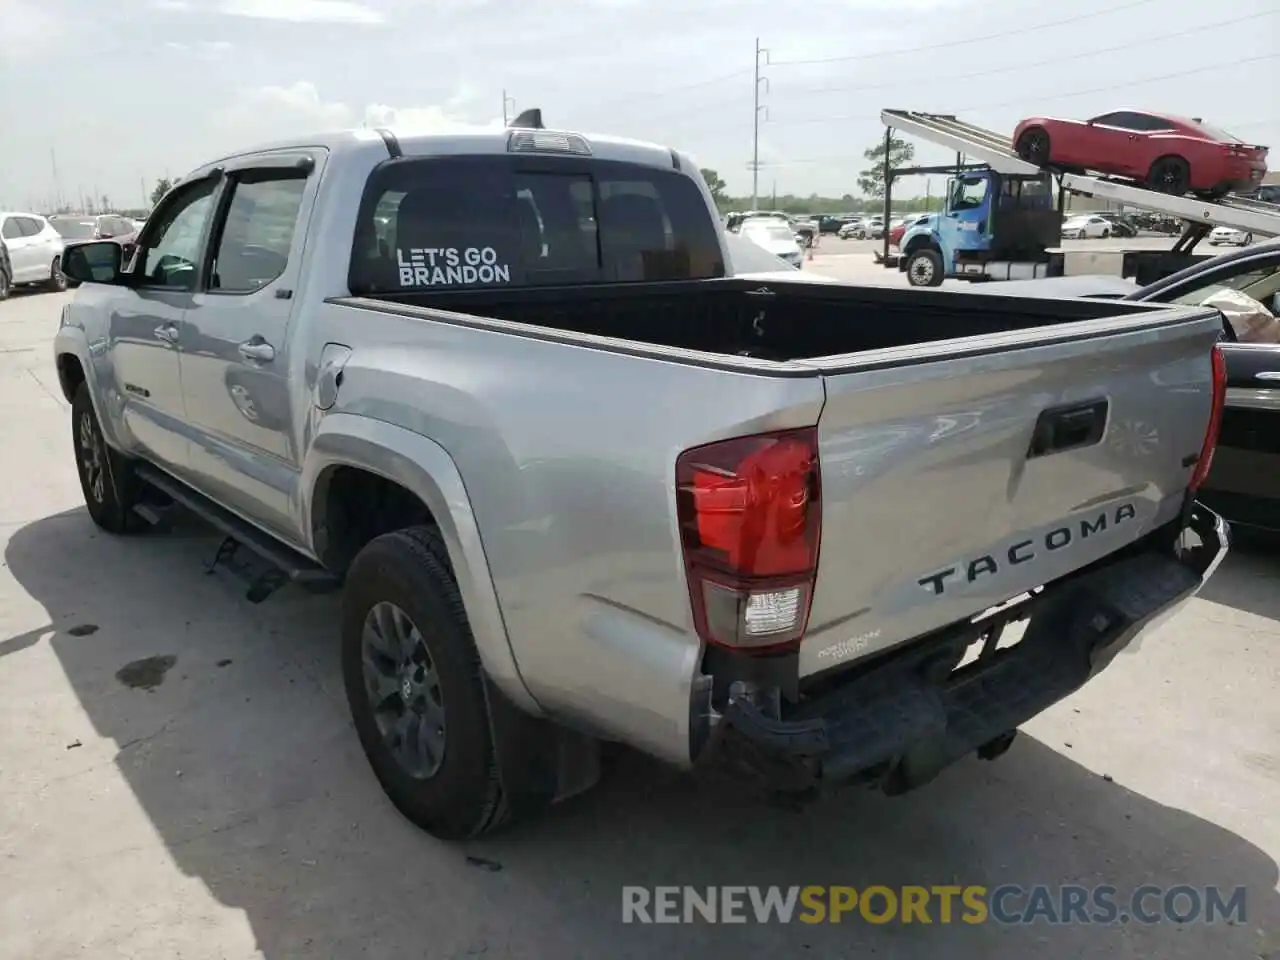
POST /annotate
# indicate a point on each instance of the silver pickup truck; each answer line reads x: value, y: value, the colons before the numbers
x: 580, y: 484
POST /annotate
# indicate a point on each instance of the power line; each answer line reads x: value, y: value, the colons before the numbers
x: 1085, y: 55
x: 1207, y: 68
x: 947, y: 45
x: 743, y: 72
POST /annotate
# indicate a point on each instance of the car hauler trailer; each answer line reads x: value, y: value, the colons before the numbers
x: 1000, y: 221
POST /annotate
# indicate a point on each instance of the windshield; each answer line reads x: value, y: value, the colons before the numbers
x: 74, y: 229
x: 769, y: 231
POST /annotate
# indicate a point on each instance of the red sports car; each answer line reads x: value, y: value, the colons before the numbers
x: 1170, y: 154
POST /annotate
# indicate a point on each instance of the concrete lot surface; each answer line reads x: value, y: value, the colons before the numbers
x: 178, y: 778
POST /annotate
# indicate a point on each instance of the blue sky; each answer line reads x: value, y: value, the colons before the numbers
x: 126, y: 91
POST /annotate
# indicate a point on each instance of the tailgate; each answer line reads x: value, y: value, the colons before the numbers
x: 959, y: 474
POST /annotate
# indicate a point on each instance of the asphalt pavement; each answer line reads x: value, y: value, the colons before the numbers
x: 179, y: 778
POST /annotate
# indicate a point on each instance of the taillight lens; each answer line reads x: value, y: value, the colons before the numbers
x: 750, y: 514
x: 1216, y: 406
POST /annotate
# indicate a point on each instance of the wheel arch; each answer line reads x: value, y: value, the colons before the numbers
x: 426, y: 471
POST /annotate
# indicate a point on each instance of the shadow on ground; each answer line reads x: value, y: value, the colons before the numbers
x: 1252, y: 583
x: 244, y: 762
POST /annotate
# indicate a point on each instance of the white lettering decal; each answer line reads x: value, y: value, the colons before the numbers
x: 450, y: 266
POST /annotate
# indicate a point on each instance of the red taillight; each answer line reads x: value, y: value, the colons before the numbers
x: 1216, y: 405
x: 750, y: 518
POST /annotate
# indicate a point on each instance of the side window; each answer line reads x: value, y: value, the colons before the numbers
x: 968, y: 194
x: 1150, y: 124
x: 254, y: 239
x: 1253, y: 315
x: 11, y: 230
x: 30, y: 226
x: 1109, y: 119
x: 171, y: 246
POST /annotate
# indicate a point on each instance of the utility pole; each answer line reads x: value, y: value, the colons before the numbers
x: 755, y: 136
x: 506, y: 101
x: 57, y: 187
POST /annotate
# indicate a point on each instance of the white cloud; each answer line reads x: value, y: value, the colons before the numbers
x: 431, y: 119
x: 275, y: 113
x: 303, y: 11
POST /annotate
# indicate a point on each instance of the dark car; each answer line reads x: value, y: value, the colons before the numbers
x: 102, y: 226
x: 1122, y: 225
x: 1244, y: 482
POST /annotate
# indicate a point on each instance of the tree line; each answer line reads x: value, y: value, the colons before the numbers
x: 870, y: 195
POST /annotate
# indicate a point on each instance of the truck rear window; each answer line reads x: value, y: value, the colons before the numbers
x: 476, y: 222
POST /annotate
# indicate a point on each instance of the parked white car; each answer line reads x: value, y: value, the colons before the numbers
x: 1081, y: 228
x: 752, y: 262
x: 867, y: 228
x: 35, y: 249
x: 1229, y: 236
x: 775, y: 237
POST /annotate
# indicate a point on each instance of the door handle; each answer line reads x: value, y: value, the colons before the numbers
x: 168, y: 332
x: 256, y: 348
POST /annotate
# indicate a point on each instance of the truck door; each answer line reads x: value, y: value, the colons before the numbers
x: 236, y: 360
x: 145, y: 323
x: 965, y: 225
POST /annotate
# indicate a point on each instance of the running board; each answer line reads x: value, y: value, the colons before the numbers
x: 277, y: 564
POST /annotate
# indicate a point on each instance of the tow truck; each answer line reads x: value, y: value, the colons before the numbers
x: 1001, y: 220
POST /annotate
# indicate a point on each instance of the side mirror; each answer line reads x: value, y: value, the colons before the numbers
x: 97, y: 261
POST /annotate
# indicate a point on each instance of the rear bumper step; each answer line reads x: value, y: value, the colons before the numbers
x: 901, y: 723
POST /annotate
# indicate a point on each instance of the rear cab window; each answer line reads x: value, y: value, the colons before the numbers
x: 499, y: 222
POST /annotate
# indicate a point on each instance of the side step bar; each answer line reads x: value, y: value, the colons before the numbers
x: 282, y: 564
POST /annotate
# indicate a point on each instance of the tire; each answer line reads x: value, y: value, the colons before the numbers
x: 110, y: 487
x: 454, y: 792
x: 1034, y: 146
x: 57, y: 281
x: 924, y: 268
x: 1106, y: 234
x: 6, y: 285
x: 1170, y: 175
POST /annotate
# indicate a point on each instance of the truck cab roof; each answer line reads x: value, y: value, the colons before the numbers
x: 408, y: 142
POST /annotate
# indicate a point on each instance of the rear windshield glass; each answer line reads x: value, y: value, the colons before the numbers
x: 74, y: 229
x: 483, y: 222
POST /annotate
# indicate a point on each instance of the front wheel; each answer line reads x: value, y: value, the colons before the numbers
x: 110, y: 488
x: 57, y: 279
x: 1033, y: 146
x: 5, y: 285
x: 924, y: 268
x: 415, y: 688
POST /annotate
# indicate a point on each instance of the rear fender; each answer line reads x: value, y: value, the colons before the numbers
x: 425, y: 468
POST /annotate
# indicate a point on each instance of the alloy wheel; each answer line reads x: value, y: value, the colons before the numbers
x: 404, y: 691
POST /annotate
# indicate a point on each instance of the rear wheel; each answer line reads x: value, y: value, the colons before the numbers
x: 1170, y: 175
x: 415, y: 688
x: 1033, y: 146
x: 924, y: 268
x: 1106, y: 234
x: 5, y: 285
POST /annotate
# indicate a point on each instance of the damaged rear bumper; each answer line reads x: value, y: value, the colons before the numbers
x: 901, y: 721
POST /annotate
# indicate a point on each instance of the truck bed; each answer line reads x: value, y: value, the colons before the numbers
x: 971, y: 448
x: 777, y: 321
